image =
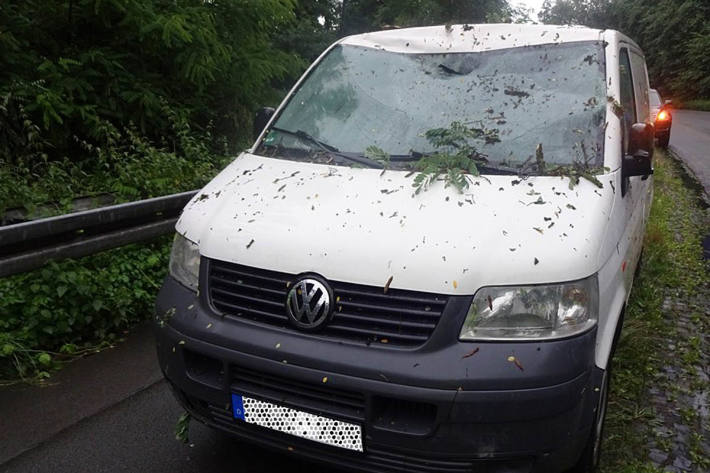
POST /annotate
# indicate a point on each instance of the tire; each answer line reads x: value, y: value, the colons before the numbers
x: 637, y: 271
x: 589, y: 460
x: 664, y: 139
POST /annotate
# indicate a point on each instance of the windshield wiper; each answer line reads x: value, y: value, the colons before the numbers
x: 328, y: 149
x: 448, y: 70
x: 496, y: 168
x: 413, y: 156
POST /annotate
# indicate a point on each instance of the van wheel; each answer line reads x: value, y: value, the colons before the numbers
x: 637, y: 271
x: 589, y: 460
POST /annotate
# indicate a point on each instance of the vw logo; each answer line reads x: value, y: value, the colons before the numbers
x: 308, y: 303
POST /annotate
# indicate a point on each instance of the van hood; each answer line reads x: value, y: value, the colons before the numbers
x: 364, y: 226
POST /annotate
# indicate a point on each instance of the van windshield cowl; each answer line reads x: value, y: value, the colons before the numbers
x: 515, y: 103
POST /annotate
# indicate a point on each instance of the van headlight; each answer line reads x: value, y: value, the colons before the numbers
x: 532, y: 312
x: 185, y: 262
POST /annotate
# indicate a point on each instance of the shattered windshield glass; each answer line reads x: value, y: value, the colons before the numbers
x: 359, y: 98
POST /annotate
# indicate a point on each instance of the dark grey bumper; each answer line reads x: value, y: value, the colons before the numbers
x: 476, y: 413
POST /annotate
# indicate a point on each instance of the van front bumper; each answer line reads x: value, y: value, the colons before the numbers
x: 450, y: 408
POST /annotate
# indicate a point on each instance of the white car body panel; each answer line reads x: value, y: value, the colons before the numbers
x: 358, y: 226
x: 471, y: 38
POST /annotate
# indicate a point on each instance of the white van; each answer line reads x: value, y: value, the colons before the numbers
x: 422, y: 263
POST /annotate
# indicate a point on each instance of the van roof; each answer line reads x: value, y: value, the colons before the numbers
x: 474, y: 38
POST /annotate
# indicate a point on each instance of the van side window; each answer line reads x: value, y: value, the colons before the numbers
x: 640, y: 77
x: 627, y: 94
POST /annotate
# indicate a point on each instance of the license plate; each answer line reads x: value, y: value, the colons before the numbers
x: 298, y: 423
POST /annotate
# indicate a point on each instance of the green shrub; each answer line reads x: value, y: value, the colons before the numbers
x: 74, y: 65
x: 68, y: 307
x: 700, y: 104
x: 58, y: 311
x: 124, y: 163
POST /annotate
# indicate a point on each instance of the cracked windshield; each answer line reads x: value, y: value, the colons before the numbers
x: 506, y: 110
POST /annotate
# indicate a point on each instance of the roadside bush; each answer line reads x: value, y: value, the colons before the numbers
x: 74, y: 65
x: 61, y: 310
x: 122, y: 162
x: 702, y: 105
x: 72, y: 307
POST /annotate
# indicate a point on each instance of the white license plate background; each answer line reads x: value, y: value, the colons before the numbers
x: 298, y: 423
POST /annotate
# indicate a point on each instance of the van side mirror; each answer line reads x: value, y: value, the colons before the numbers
x: 261, y: 119
x: 638, y: 160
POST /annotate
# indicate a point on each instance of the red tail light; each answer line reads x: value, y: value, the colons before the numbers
x: 662, y: 116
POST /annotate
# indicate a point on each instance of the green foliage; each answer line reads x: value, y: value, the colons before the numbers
x: 578, y: 12
x: 182, y: 428
x: 378, y: 154
x: 455, y: 157
x: 59, y: 311
x: 123, y: 162
x: 367, y: 15
x: 74, y: 66
x: 674, y: 34
x: 700, y: 104
x: 671, y: 265
x: 581, y: 168
x: 577, y: 171
x: 306, y: 36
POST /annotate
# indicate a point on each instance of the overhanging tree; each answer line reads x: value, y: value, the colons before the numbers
x: 674, y: 34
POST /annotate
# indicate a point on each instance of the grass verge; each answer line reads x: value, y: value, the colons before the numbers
x: 699, y: 104
x: 672, y: 264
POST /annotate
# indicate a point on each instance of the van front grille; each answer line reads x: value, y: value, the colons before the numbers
x: 322, y: 400
x: 362, y: 314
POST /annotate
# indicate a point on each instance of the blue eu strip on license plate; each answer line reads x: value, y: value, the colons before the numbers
x: 237, y: 406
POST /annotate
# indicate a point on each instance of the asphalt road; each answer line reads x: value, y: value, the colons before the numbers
x: 690, y: 140
x: 137, y: 435
x: 114, y: 412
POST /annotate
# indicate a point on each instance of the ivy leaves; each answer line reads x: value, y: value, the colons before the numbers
x: 63, y: 310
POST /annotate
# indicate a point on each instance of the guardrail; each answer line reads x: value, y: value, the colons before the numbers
x: 29, y: 245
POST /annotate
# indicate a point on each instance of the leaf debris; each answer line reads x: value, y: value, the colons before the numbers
x: 516, y: 362
x: 387, y: 284
x: 471, y: 353
x: 182, y: 428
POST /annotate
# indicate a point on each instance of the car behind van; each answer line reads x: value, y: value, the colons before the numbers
x: 661, y: 116
x: 422, y: 263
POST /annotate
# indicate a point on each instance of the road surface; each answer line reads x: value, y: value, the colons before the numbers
x: 137, y: 435
x: 690, y: 140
